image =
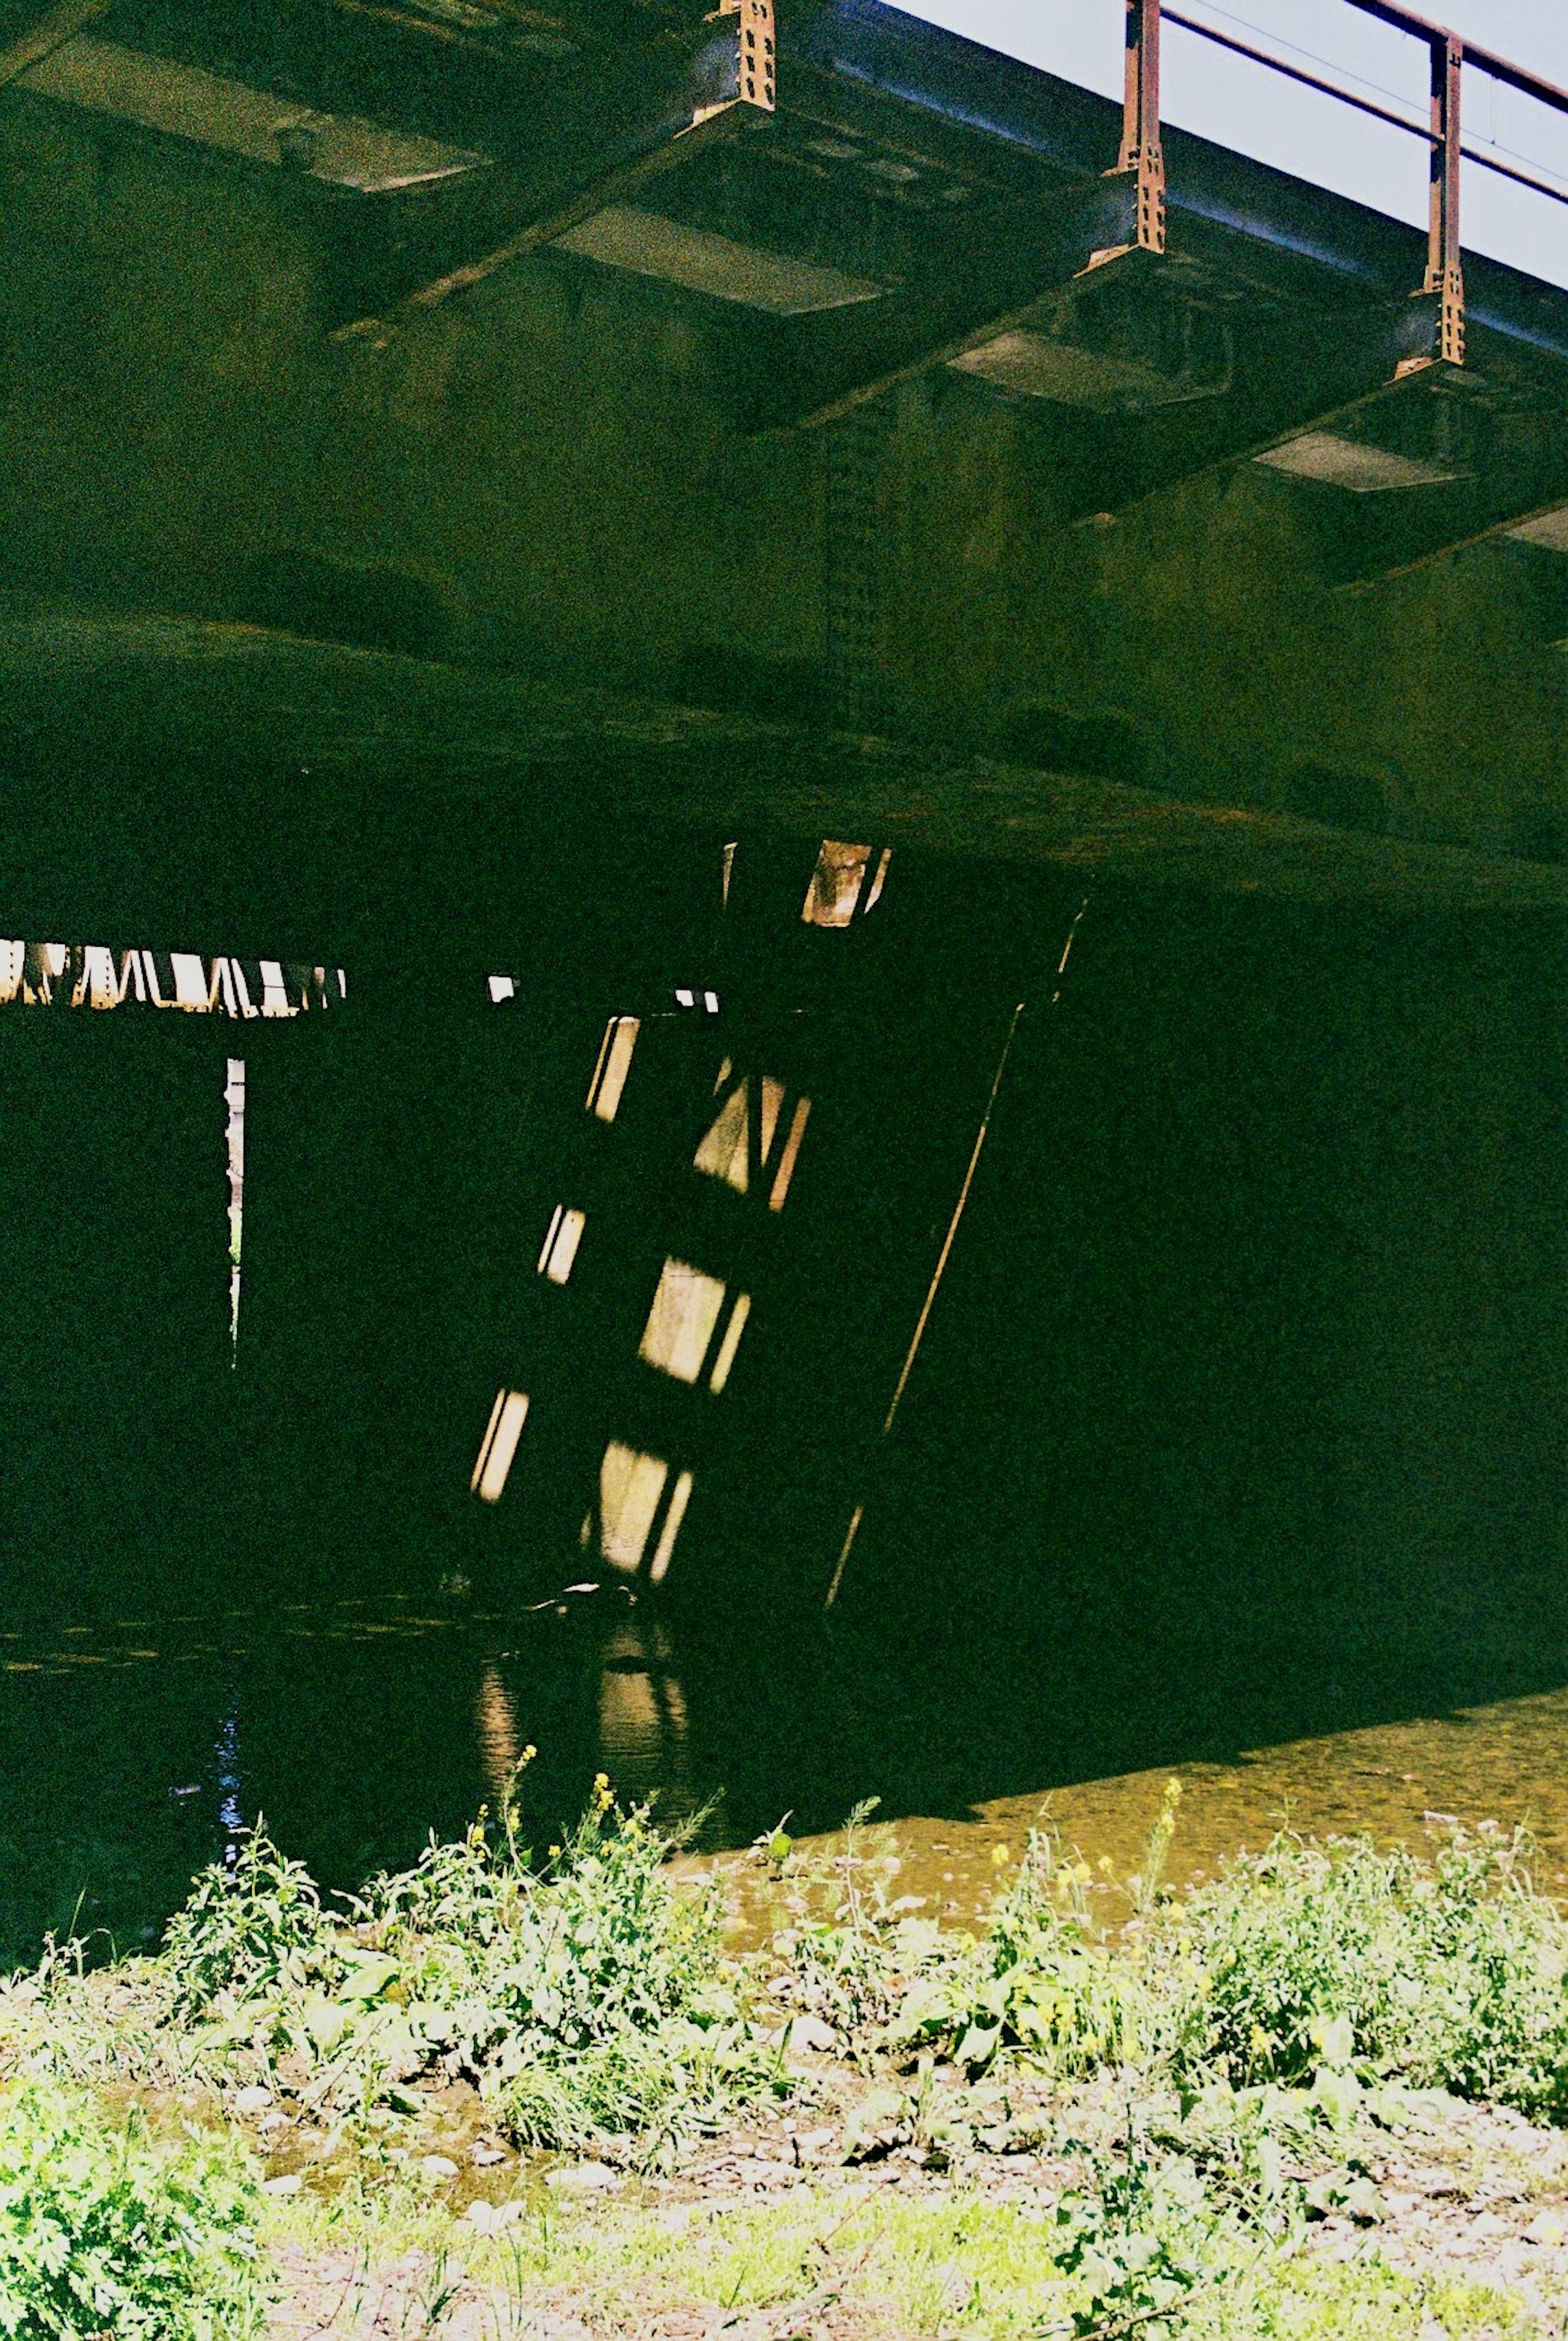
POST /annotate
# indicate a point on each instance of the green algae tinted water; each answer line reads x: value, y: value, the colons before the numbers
x: 1232, y: 1445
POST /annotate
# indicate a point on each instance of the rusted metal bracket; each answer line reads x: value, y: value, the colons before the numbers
x: 1444, y: 276
x: 758, y: 55
x: 1141, y: 151
x: 756, y: 58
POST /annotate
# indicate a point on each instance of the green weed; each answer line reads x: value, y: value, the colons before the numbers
x: 1035, y: 1983
x: 583, y: 1995
x: 1449, y: 1975
x: 245, y: 1930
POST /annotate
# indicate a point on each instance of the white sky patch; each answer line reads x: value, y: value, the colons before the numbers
x: 1254, y: 112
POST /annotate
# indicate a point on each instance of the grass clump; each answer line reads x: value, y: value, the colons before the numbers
x: 958, y: 2266
x: 103, y: 2230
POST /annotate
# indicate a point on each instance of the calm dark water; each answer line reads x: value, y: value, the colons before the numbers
x: 1233, y: 1441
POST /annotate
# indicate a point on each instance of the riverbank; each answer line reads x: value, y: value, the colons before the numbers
x: 507, y: 2095
x: 1459, y: 2227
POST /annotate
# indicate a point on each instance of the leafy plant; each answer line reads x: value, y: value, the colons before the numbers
x: 1137, y: 2243
x: 851, y: 1967
x: 103, y: 2231
x: 1494, y: 1954
x: 244, y: 1928
x: 583, y: 1995
x: 1311, y: 1957
x: 1033, y: 1983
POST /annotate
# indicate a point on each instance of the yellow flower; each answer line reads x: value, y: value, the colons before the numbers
x: 999, y: 1856
x: 1104, y: 1865
x: 530, y: 1752
x: 1173, y: 1791
x: 555, y: 1853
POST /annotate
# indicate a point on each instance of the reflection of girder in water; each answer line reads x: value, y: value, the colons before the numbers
x: 56, y: 976
x: 495, y: 1727
x: 234, y: 1099
x: 643, y: 1723
x: 671, y: 1262
x: 732, y: 1212
x: 92, y: 975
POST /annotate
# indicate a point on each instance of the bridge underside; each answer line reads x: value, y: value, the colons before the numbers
x: 234, y: 772
x: 860, y: 402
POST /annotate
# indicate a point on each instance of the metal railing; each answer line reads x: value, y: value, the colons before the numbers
x: 1449, y: 54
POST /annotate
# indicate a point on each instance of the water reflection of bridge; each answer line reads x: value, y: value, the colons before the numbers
x: 1252, y: 1281
x: 732, y: 552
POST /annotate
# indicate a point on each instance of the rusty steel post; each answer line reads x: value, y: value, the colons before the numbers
x: 1445, y: 274
x: 1141, y: 122
x: 758, y: 55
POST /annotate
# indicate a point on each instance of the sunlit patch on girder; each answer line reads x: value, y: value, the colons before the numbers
x: 680, y: 1324
x: 838, y: 882
x: 185, y: 101
x: 561, y: 1239
x: 1548, y: 529
x: 787, y: 1161
x: 1353, y: 463
x: 664, y: 1551
x: 649, y: 243
x: 730, y: 1342
x: 614, y: 1064
x: 631, y: 1490
x: 724, y: 1152
x: 726, y: 1149
x: 503, y: 1430
x: 629, y: 1486
x: 1040, y: 366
